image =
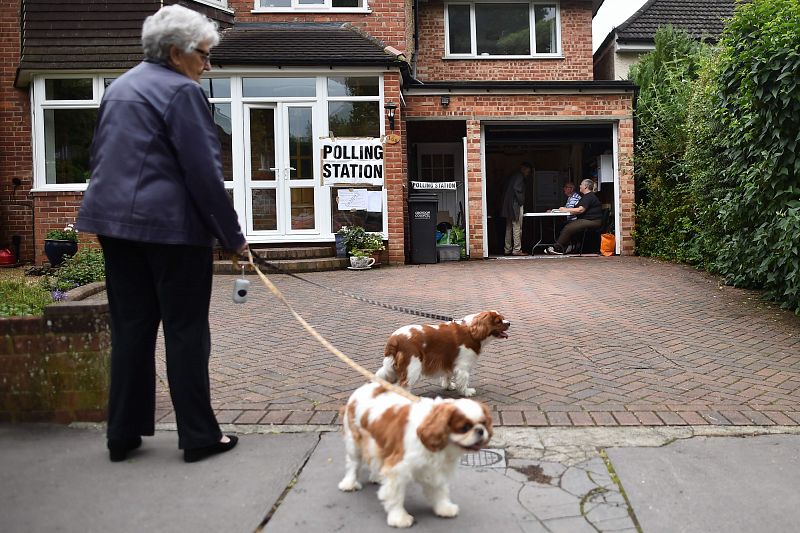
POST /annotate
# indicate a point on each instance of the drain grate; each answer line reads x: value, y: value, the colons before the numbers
x: 492, y: 458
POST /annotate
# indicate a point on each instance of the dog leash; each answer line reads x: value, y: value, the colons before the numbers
x: 330, y: 347
x: 407, y: 310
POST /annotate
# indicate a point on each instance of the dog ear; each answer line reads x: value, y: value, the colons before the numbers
x: 487, y: 414
x: 435, y: 429
x: 479, y: 328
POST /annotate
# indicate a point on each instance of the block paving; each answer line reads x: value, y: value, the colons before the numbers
x: 619, y: 341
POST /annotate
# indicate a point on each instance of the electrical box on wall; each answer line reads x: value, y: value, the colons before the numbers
x: 605, y: 168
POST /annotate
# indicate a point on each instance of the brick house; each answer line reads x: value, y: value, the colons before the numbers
x: 623, y: 45
x: 330, y: 110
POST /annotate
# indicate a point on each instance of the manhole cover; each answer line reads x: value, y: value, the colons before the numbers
x: 486, y: 457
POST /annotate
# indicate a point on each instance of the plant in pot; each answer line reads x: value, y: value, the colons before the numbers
x: 361, y: 244
x: 60, y: 243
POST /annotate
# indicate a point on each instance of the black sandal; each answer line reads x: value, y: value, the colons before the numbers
x: 118, y: 448
x: 193, y: 455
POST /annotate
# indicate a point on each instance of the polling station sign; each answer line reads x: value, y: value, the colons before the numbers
x: 352, y: 162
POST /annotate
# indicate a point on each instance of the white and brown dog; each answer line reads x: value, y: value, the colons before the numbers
x: 403, y: 441
x: 447, y: 350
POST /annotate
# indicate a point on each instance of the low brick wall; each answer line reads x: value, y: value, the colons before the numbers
x: 55, y: 368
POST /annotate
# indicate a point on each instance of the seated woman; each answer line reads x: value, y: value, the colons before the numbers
x: 590, y: 215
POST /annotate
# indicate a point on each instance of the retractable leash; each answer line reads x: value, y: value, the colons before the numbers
x: 330, y: 347
x: 409, y: 311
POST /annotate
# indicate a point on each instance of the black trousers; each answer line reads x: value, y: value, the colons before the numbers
x: 573, y: 228
x: 148, y: 284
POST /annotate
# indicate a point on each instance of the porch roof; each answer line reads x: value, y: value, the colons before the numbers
x: 300, y: 44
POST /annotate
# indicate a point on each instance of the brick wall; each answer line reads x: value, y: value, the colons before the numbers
x: 55, y: 368
x: 395, y: 162
x: 15, y: 138
x: 386, y: 22
x: 54, y: 210
x: 476, y: 108
x: 576, y: 43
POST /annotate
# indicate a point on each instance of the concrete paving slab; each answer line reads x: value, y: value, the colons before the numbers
x: 713, y: 484
x: 486, y: 496
x: 56, y: 478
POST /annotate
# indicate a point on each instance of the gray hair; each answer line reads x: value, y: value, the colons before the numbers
x: 176, y: 26
x: 589, y: 184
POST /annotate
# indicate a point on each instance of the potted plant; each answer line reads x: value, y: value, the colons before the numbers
x: 360, y: 243
x: 60, y: 243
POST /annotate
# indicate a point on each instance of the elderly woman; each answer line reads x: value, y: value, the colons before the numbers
x: 590, y: 216
x: 156, y: 201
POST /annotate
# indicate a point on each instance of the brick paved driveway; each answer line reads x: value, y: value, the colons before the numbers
x: 619, y: 341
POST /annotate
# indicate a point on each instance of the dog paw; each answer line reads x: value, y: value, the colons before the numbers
x: 347, y: 485
x: 446, y: 510
x: 468, y: 392
x: 400, y: 519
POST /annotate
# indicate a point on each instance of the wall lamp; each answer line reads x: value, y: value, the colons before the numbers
x: 390, y: 107
x: 445, y: 101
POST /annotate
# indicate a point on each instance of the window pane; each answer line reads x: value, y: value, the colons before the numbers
x: 265, y: 213
x: 301, y: 143
x: 311, y: 2
x: 545, y: 17
x: 460, y: 35
x: 353, y: 86
x: 369, y: 220
x: 262, y: 144
x: 502, y: 29
x: 67, y: 139
x: 107, y: 82
x: 68, y: 89
x: 303, y: 208
x: 216, y: 87
x: 222, y: 118
x: 272, y: 87
x: 354, y: 119
x: 276, y: 3
x: 346, y: 3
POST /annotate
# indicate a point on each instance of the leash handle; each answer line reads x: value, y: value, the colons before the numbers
x: 330, y: 347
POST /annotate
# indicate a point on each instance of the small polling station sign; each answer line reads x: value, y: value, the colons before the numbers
x: 352, y: 161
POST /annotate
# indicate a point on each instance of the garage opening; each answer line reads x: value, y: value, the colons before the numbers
x: 558, y: 153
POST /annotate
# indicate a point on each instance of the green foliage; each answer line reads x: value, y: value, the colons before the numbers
x: 757, y: 105
x: 356, y: 238
x: 86, y: 266
x: 18, y: 298
x: 665, y: 222
x: 67, y: 234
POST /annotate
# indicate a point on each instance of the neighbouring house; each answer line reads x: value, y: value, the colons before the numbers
x: 330, y: 112
x: 622, y: 47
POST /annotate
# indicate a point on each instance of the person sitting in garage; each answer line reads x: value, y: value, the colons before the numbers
x: 590, y: 216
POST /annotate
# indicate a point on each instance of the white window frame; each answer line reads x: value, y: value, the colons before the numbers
x: 322, y: 6
x: 38, y: 106
x: 473, y: 54
x: 219, y: 4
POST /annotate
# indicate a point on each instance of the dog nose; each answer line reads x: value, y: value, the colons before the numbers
x: 479, y: 432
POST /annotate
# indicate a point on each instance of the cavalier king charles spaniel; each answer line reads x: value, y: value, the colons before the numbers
x: 446, y: 350
x: 403, y: 441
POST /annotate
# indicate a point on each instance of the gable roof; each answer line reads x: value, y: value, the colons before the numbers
x: 299, y: 44
x: 702, y: 19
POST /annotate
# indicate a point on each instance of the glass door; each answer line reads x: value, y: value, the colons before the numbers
x: 281, y: 196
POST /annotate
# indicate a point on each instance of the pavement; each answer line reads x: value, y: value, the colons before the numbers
x: 631, y: 396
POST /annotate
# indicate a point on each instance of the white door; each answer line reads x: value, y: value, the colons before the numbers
x: 281, y: 199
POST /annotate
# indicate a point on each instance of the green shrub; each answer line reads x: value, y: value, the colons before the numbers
x: 86, y: 266
x: 69, y: 233
x: 18, y: 298
x: 757, y: 104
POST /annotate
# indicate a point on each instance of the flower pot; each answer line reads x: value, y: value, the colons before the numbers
x: 58, y: 250
x: 361, y: 263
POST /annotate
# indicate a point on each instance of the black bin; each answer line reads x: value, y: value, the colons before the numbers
x: 422, y: 210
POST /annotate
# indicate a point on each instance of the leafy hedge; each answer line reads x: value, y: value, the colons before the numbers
x: 716, y: 151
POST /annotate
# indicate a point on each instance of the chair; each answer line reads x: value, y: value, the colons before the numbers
x: 603, y: 228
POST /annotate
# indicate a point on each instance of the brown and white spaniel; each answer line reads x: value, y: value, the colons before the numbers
x: 403, y: 441
x: 447, y: 350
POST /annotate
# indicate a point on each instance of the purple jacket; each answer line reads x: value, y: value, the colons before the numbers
x: 156, y: 172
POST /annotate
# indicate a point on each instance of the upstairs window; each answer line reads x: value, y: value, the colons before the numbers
x: 502, y: 29
x: 311, y: 5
